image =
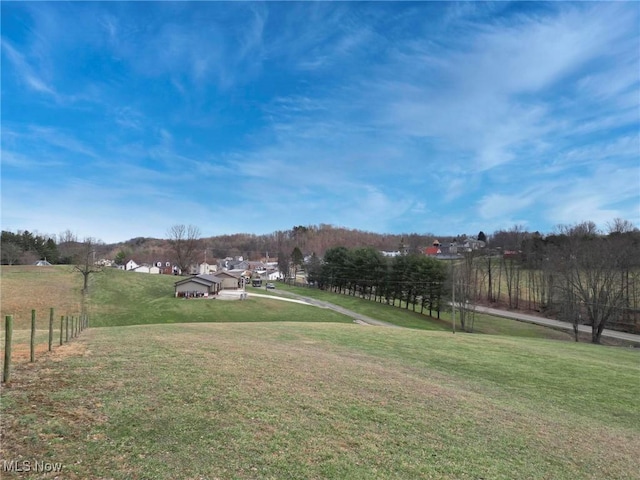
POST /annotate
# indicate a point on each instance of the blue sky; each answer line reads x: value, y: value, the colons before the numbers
x: 121, y: 119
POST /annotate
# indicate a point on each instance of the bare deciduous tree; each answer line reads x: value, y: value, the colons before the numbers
x: 10, y: 253
x: 590, y: 266
x: 185, y: 244
x: 619, y: 225
x: 85, y: 261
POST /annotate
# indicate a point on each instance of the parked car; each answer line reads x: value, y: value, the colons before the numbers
x: 270, y: 286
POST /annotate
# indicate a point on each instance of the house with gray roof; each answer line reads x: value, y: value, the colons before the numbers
x: 198, y: 286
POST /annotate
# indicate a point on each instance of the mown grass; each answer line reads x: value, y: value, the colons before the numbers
x: 118, y: 298
x: 24, y: 288
x: 483, y: 324
x: 308, y: 400
x: 127, y: 298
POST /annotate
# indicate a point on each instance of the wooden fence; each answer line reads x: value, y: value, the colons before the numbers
x: 70, y: 327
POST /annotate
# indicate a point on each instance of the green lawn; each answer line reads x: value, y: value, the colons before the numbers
x: 128, y: 298
x: 483, y: 324
x: 310, y: 400
x: 265, y: 389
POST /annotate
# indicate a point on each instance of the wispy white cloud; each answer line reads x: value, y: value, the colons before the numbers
x: 60, y: 139
x: 499, y: 206
x: 419, y: 116
x: 479, y: 95
x: 607, y: 194
x: 25, y: 72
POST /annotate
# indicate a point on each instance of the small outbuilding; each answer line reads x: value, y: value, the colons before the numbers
x: 198, y: 286
x: 230, y: 280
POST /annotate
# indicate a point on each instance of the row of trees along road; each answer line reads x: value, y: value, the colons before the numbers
x: 415, y: 280
x: 577, y: 274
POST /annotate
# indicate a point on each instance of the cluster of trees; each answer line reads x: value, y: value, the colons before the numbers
x: 311, y: 238
x: 276, y: 245
x: 25, y: 247
x: 415, y: 280
x: 185, y: 245
x: 578, y: 273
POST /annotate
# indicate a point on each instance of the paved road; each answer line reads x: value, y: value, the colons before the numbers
x: 360, y: 319
x: 523, y: 317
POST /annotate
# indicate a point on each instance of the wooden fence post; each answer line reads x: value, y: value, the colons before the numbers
x: 8, y: 334
x: 32, y: 343
x: 61, y: 327
x: 66, y: 336
x: 50, y: 329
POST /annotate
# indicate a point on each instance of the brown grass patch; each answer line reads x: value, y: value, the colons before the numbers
x: 22, y: 351
x: 41, y: 386
x: 26, y: 288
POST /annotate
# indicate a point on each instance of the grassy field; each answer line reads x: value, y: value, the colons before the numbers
x: 265, y: 389
x: 125, y: 298
x: 26, y: 288
x: 483, y: 324
x: 309, y: 400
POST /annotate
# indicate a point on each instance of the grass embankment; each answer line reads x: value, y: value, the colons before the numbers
x: 483, y: 324
x: 128, y: 298
x: 293, y: 400
x: 118, y: 298
x: 25, y: 288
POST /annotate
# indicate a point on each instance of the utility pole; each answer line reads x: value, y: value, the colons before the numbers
x: 453, y: 297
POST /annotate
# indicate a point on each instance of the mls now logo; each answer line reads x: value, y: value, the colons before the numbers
x: 23, y: 466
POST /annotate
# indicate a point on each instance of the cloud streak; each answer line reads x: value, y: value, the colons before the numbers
x: 391, y: 117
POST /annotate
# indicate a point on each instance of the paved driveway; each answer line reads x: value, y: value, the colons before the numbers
x: 522, y: 317
x: 360, y: 319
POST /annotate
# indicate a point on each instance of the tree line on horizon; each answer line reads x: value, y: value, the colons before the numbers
x: 578, y: 273
x: 21, y: 249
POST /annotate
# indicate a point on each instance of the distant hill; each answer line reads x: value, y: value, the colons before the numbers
x: 310, y: 239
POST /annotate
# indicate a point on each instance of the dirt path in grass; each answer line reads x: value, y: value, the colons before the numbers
x: 357, y: 318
